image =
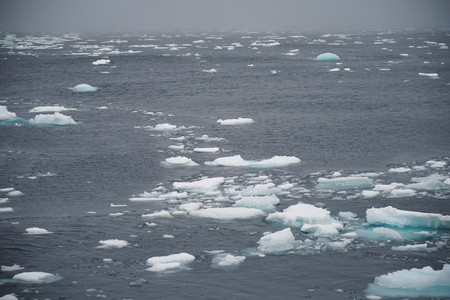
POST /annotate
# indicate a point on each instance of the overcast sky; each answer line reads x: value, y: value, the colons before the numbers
x: 212, y: 15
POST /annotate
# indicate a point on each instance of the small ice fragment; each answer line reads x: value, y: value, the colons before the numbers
x: 12, y: 268
x: 112, y: 244
x: 238, y: 161
x: 344, y: 183
x: 40, y: 109
x: 83, y: 88
x: 37, y: 230
x: 9, y: 297
x: 327, y: 57
x: 15, y: 194
x: 418, y: 247
x: 5, y: 114
x: 388, y: 233
x: 52, y: 119
x: 36, y: 277
x: 207, y: 150
x: 277, y: 242
x: 399, y: 170
x: 6, y: 209
x: 238, y: 121
x: 200, y: 186
x: 397, y: 193
x: 227, y: 213
x: 101, y: 62
x: 265, y: 203
x: 370, y: 194
x: 173, y: 262
x: 227, y: 261
x: 212, y: 70
x: 431, y: 75
x: 334, y: 70
x: 162, y: 214
x: 178, y: 161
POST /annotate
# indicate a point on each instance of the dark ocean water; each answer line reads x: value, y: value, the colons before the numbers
x: 376, y: 115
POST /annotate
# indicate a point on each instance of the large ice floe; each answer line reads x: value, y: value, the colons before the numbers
x: 83, y: 88
x: 170, y: 263
x: 413, y: 283
x: 238, y: 161
x: 327, y: 57
x: 238, y: 121
x: 52, y: 119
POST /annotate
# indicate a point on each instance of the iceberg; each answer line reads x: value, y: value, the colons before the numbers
x: 200, y: 186
x: 179, y: 161
x: 40, y: 109
x: 344, y: 183
x: 277, y: 242
x: 112, y: 244
x: 170, y: 263
x: 226, y: 261
x: 52, y: 119
x: 101, y: 62
x: 238, y: 161
x: 413, y: 283
x: 227, y: 213
x: 36, y: 277
x: 238, y: 121
x: 83, y: 88
x: 401, y: 218
x: 265, y: 203
x: 327, y: 57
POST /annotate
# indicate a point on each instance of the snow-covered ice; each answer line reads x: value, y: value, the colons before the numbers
x: 36, y: 231
x: 227, y: 213
x: 36, y: 277
x: 112, y: 244
x: 200, y: 186
x: 344, y: 183
x: 327, y: 57
x: 162, y: 214
x: 277, y: 242
x: 425, y: 282
x: 169, y: 263
x: 55, y: 108
x: 206, y: 150
x: 265, y: 203
x: 83, y: 88
x: 238, y: 161
x: 101, y: 62
x: 238, y: 121
x: 178, y: 161
x: 52, y: 119
x: 226, y: 261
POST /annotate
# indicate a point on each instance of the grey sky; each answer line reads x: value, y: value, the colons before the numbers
x: 210, y: 15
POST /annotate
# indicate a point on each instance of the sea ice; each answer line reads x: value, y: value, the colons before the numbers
x: 227, y: 213
x: 179, y: 161
x: 83, y: 88
x: 173, y: 262
x: 9, y: 297
x: 238, y: 161
x: 238, y: 121
x: 387, y: 233
x: 162, y: 214
x: 36, y: 277
x: 40, y: 109
x: 401, y: 218
x: 12, y: 268
x: 436, y: 164
x: 424, y: 282
x: 37, y: 230
x: 165, y: 127
x: 6, y: 209
x: 261, y: 189
x: 226, y: 261
x: 432, y: 182
x: 5, y: 114
x: 344, y: 183
x: 212, y: 70
x: 334, y: 70
x: 52, y: 119
x: 14, y: 194
x: 265, y: 203
x: 200, y: 186
x: 397, y: 193
x: 112, y: 244
x: 190, y: 206
x: 322, y: 229
x: 418, y: 247
x: 399, y: 170
x: 101, y: 62
x: 431, y: 75
x: 207, y: 150
x: 327, y: 57
x: 370, y: 194
x: 277, y: 242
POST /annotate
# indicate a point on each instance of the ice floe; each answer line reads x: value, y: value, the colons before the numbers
x: 170, y: 263
x: 162, y: 214
x: 238, y: 161
x: 344, y: 183
x: 277, y: 242
x: 52, y: 119
x: 227, y: 213
x: 37, y: 231
x: 238, y: 121
x: 431, y: 75
x: 265, y: 203
x: 83, y: 88
x: 327, y: 57
x: 36, y: 277
x: 424, y: 282
x: 200, y: 186
x: 178, y: 161
x: 14, y: 193
x: 206, y: 150
x: 6, y: 209
x: 55, y: 108
x: 112, y: 244
x: 9, y: 297
x: 12, y: 268
x: 416, y: 247
x: 227, y: 261
x: 101, y: 62
x: 5, y: 114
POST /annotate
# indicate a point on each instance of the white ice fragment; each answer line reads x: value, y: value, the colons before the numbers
x: 173, y: 262
x: 15, y: 194
x: 238, y: 161
x: 176, y: 147
x: 238, y: 121
x: 12, y: 268
x: 168, y: 236
x: 322, y: 229
x: 399, y: 170
x: 178, y: 161
x: 347, y: 215
x: 6, y: 190
x: 40, y: 109
x: 265, y: 203
x: 162, y: 214
x: 327, y: 57
x: 344, y: 183
x: 418, y: 247
x: 165, y: 127
x: 212, y: 70
x: 52, y: 119
x: 6, y: 209
x: 334, y: 70
x: 435, y: 164
x: 5, y: 114
x: 226, y: 261
x: 388, y: 233
x: 424, y: 282
x: 37, y: 230
x: 401, y: 218
x: 397, y: 193
x: 430, y: 75
x: 36, y: 277
x: 190, y: 206
x: 83, y: 88
x: 200, y: 186
x: 261, y: 189
x: 9, y: 297
x: 207, y: 150
x: 112, y: 244
x: 227, y: 213
x: 101, y: 62
x: 277, y: 242
x: 370, y: 194
x: 387, y: 187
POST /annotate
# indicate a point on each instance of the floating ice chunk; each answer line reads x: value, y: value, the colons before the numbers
x: 6, y: 190
x: 238, y: 121
x: 401, y: 218
x: 348, y: 215
x: 387, y: 187
x: 418, y: 247
x: 176, y: 147
x: 432, y: 182
x: 212, y: 70
x: 162, y: 214
x: 327, y: 57
x: 200, y: 186
x: 12, y: 268
x: 238, y: 161
x: 155, y: 196
x: 36, y: 277
x: 207, y: 150
x: 168, y: 236
x: 399, y: 170
x: 344, y: 183
x: 173, y: 262
x: 387, y: 233
x: 40, y: 109
x: 165, y: 127
x: 265, y: 203
x: 227, y: 261
x: 206, y: 138
x: 112, y: 244
x: 397, y: 193
x: 300, y: 214
x: 443, y: 47
x: 227, y: 213
x: 83, y: 88
x: 15, y: 194
x: 37, y: 230
x: 334, y: 70
x: 323, y: 229
x: 179, y: 161
x: 435, y: 164
x: 190, y: 206
x: 6, y: 209
x: 424, y: 282
x: 370, y: 194
x: 277, y: 242
x: 5, y: 114
x: 9, y: 297
x: 101, y: 62
x: 261, y: 189
x: 54, y: 119
x: 431, y: 75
